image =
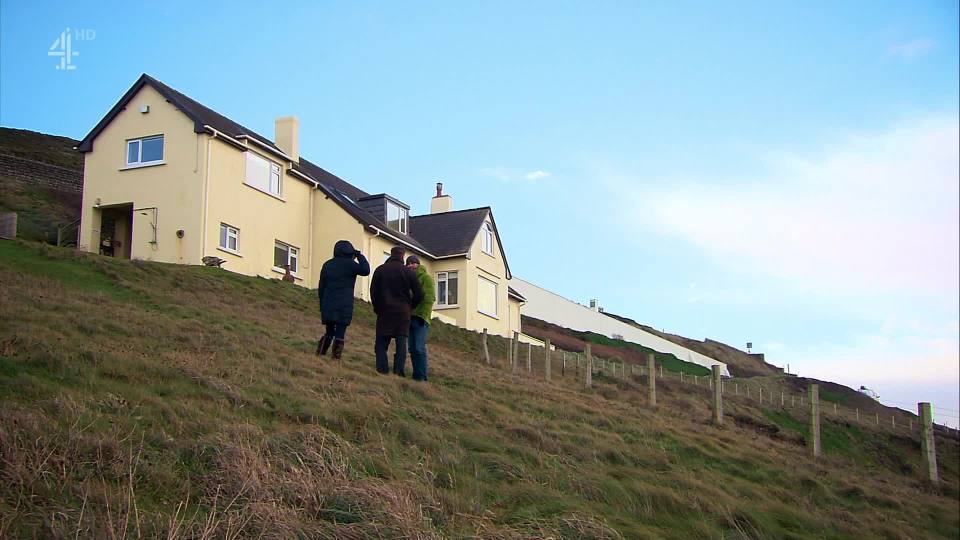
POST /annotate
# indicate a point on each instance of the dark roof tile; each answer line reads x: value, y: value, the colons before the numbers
x: 448, y: 233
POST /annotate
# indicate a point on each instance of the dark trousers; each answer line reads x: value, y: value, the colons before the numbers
x: 336, y: 330
x: 399, y: 355
x: 419, y: 329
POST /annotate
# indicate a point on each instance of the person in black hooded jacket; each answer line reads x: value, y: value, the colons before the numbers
x: 338, y: 277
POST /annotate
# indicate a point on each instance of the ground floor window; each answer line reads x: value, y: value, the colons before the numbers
x: 284, y: 254
x: 486, y: 296
x: 447, y: 288
x: 229, y: 237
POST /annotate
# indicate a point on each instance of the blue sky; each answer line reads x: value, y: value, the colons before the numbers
x: 778, y: 173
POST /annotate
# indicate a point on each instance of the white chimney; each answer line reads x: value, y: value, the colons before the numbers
x: 441, y: 203
x: 288, y: 136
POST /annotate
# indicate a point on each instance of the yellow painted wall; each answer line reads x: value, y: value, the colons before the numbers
x: 173, y: 188
x: 261, y: 218
x: 196, y: 196
x: 331, y: 224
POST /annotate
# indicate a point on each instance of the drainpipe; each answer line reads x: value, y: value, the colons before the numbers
x: 310, y: 231
x: 366, y: 290
x: 206, y: 200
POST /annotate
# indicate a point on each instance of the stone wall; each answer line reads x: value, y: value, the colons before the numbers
x: 41, y: 174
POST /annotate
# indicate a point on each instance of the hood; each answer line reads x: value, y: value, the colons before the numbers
x: 343, y: 248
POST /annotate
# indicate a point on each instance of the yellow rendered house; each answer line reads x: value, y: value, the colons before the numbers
x: 168, y: 179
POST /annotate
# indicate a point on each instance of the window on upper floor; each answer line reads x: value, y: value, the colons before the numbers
x: 486, y: 296
x: 487, y: 238
x: 229, y: 237
x: 263, y: 174
x: 284, y: 254
x: 396, y: 217
x: 145, y: 151
x: 447, y: 288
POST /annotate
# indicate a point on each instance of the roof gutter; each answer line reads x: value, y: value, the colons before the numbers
x: 300, y: 175
x: 226, y: 138
x: 399, y: 240
x: 267, y: 147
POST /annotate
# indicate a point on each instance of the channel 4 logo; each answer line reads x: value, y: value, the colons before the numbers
x: 64, y: 49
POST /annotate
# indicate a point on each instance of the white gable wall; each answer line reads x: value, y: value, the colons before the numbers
x: 555, y: 309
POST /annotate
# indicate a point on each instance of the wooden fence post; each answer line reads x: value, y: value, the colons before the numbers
x: 858, y: 414
x: 516, y: 350
x: 563, y: 366
x: 486, y: 351
x: 927, y: 442
x: 529, y: 357
x: 717, y: 396
x: 661, y: 371
x: 588, y: 371
x: 547, y: 364
x: 815, y: 419
x: 652, y: 380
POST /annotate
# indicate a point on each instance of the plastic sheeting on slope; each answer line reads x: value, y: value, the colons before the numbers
x: 553, y: 308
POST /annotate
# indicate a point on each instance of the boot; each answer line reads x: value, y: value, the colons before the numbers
x: 337, y: 348
x: 323, y: 345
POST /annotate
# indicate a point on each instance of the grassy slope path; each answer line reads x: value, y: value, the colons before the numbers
x: 153, y: 400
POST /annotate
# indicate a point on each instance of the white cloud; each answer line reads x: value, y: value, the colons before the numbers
x: 872, y: 226
x: 505, y: 174
x: 877, y: 213
x: 537, y: 175
x: 912, y: 48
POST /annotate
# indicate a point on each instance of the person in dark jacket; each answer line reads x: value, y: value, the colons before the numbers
x: 394, y: 291
x: 337, y: 280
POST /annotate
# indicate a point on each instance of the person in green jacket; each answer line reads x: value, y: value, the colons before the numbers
x: 420, y: 320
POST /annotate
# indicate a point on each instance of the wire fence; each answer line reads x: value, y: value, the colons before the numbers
x: 778, y: 393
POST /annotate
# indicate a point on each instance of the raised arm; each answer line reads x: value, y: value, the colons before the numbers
x: 363, y: 266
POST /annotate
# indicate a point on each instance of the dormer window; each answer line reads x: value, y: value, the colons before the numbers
x: 396, y: 217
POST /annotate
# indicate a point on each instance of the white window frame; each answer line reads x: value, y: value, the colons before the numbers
x: 488, y: 238
x: 293, y: 253
x: 139, y: 162
x: 445, y: 278
x: 496, y: 298
x: 235, y: 235
x: 404, y: 214
x: 274, y: 175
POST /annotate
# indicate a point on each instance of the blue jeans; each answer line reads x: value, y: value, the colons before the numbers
x: 418, y: 347
x: 399, y: 355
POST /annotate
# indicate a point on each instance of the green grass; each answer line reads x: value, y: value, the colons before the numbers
x: 668, y: 361
x: 132, y: 389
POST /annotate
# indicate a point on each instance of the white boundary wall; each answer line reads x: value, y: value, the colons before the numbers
x: 553, y: 308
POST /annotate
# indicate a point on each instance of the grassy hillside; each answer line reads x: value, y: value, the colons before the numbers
x: 39, y: 209
x: 32, y: 145
x: 153, y: 400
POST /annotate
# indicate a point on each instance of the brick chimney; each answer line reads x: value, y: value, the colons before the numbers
x: 288, y: 136
x: 441, y: 203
